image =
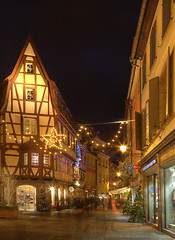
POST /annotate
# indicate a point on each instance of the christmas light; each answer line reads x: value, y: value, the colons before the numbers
x: 54, y: 139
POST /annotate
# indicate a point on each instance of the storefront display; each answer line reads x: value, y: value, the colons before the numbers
x: 152, y: 199
x: 26, y: 197
x: 170, y: 198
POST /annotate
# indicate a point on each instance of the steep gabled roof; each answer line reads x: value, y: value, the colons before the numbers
x: 29, y: 49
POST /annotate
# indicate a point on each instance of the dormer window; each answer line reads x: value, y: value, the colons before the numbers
x: 29, y: 68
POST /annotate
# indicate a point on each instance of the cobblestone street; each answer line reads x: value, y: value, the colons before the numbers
x: 99, y: 226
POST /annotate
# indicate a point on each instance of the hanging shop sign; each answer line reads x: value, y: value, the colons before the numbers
x: 71, y: 189
x: 150, y: 164
x: 136, y: 166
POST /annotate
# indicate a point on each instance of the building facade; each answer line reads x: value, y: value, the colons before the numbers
x: 102, y: 175
x: 38, y: 142
x: 91, y: 175
x: 150, y: 106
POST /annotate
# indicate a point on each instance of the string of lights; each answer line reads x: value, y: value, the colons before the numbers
x: 84, y: 128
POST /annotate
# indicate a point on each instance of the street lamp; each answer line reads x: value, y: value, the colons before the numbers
x: 118, y: 174
x: 123, y: 148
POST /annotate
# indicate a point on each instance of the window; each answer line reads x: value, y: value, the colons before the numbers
x: 25, y: 158
x: 58, y: 161
x: 46, y: 160
x: 153, y: 45
x: 59, y: 194
x: 35, y: 159
x: 29, y: 94
x: 29, y: 126
x: 169, y: 181
x: 29, y: 68
x: 166, y: 15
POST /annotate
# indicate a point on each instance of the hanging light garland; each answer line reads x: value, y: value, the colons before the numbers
x: 114, y: 140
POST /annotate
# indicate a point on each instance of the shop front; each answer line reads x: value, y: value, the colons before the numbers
x: 151, y: 191
x: 26, y: 198
x: 169, y: 198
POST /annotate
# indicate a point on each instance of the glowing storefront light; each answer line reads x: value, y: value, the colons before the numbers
x: 52, y: 195
x: 59, y: 194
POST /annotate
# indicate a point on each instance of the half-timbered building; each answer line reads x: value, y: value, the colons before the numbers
x: 38, y: 141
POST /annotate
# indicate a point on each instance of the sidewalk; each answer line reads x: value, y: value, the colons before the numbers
x: 119, y: 228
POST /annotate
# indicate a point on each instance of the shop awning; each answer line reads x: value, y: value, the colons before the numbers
x: 119, y: 190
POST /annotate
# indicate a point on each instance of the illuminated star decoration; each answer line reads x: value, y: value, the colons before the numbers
x: 54, y: 139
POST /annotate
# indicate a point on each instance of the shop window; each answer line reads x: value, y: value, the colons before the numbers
x: 59, y: 194
x: 30, y: 126
x: 46, y: 160
x: 29, y: 68
x: 65, y: 196
x: 25, y: 159
x: 29, y: 94
x: 35, y: 159
x: 152, y: 199
x: 52, y: 190
x: 170, y: 198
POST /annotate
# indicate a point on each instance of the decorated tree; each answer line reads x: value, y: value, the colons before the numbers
x: 9, y: 188
x: 137, y: 212
x: 128, y: 204
x: 43, y: 203
x: 126, y: 170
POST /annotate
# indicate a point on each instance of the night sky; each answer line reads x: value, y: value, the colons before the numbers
x: 85, y: 48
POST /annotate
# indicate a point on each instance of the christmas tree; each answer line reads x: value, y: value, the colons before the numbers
x: 43, y: 204
x: 128, y: 204
x: 137, y: 212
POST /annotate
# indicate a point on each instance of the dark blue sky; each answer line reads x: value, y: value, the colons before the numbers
x: 85, y: 47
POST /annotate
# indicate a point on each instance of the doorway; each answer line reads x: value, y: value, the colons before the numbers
x: 26, y: 198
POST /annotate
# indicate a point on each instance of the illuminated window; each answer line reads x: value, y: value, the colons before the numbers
x: 29, y: 94
x: 59, y: 194
x: 25, y: 158
x: 46, y: 160
x: 64, y: 194
x: 29, y: 126
x: 52, y: 195
x: 29, y: 68
x: 35, y: 159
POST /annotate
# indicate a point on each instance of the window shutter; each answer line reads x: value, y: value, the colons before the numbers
x: 166, y: 15
x: 171, y: 85
x: 143, y: 125
x: 144, y: 71
x: 153, y: 45
x: 163, y: 94
x: 154, y: 105
x: 138, y: 129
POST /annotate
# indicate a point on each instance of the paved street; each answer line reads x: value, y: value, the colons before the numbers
x: 98, y: 226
